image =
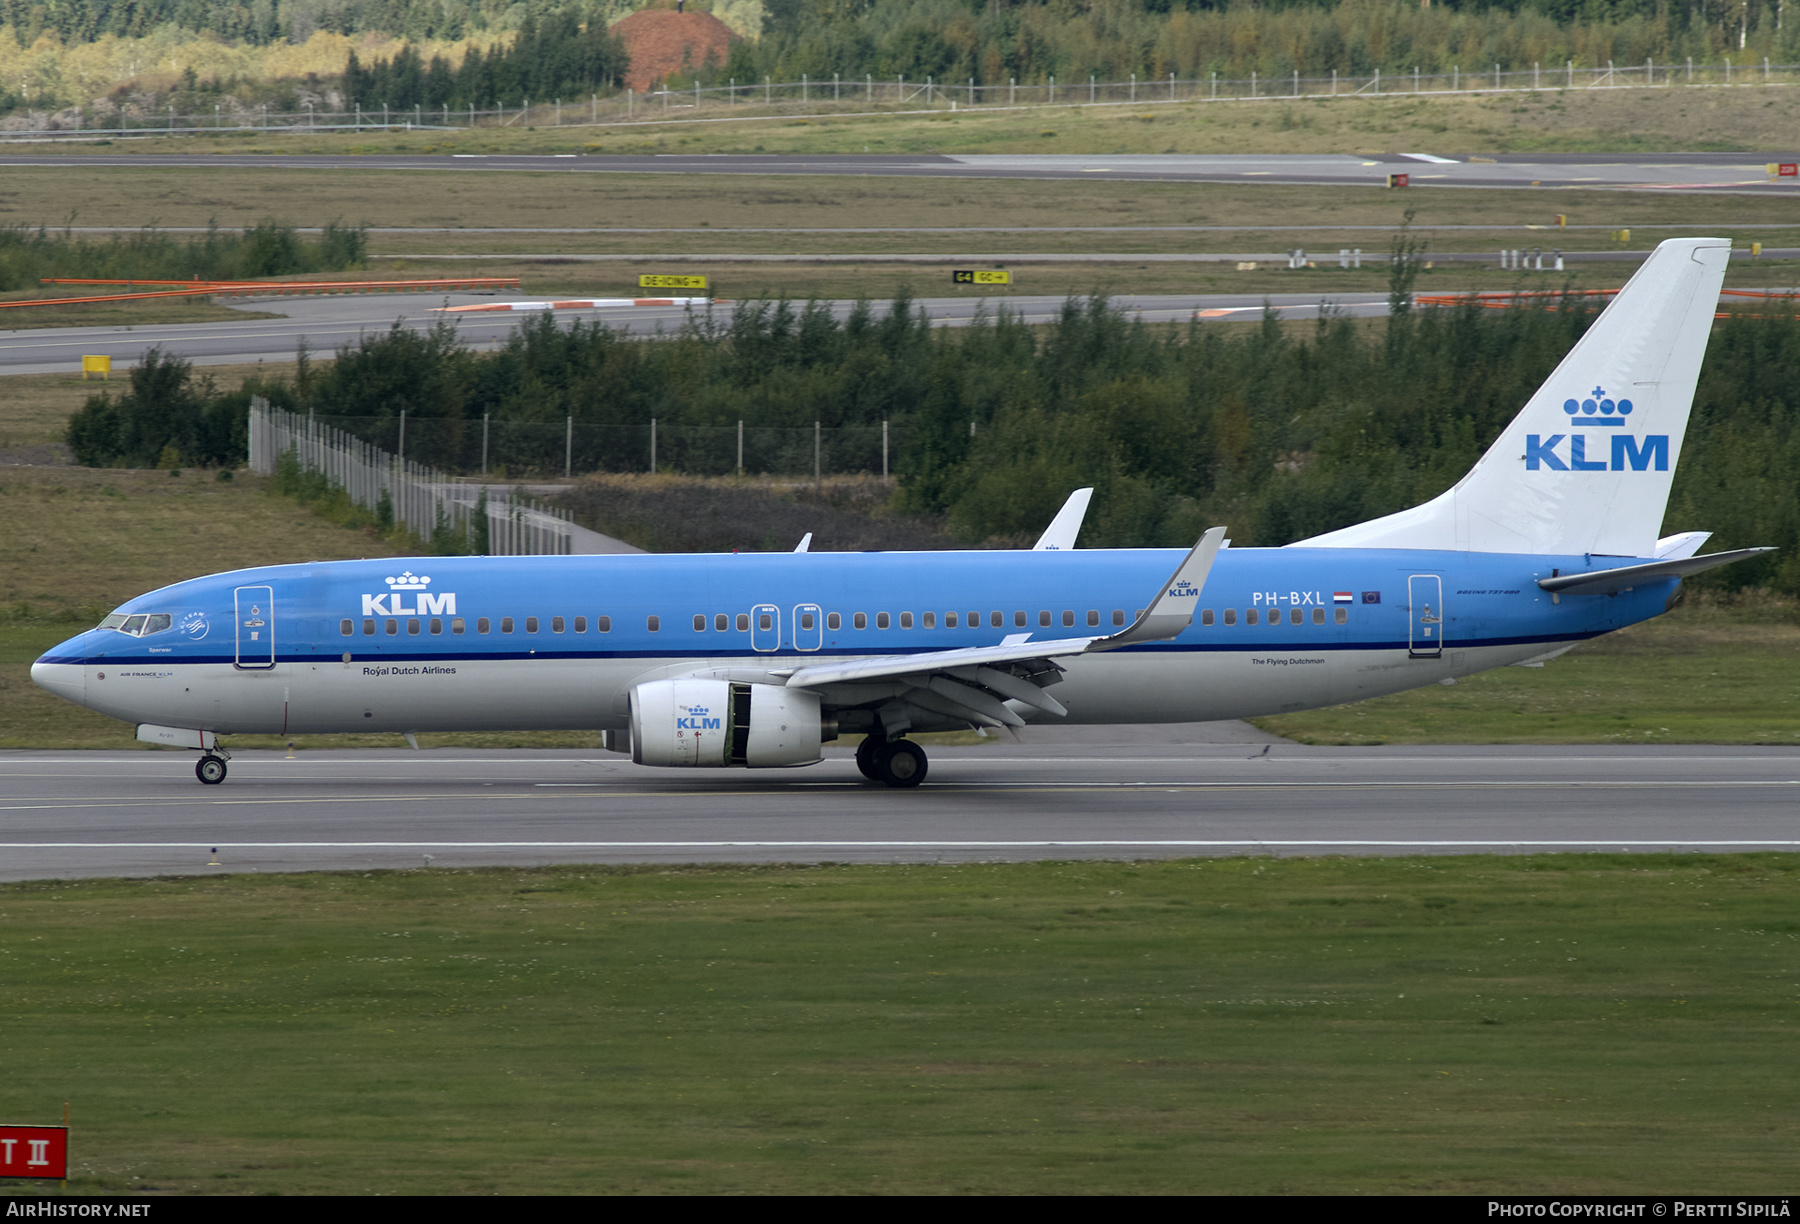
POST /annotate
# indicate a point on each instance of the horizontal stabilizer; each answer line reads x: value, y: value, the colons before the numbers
x: 1624, y: 578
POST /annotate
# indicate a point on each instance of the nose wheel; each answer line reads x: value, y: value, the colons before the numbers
x: 210, y: 769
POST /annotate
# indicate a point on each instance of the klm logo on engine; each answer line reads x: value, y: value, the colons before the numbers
x: 696, y: 720
x: 1628, y: 452
x: 408, y: 584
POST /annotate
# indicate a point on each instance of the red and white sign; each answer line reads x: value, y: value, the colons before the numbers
x: 1787, y: 169
x: 34, y: 1151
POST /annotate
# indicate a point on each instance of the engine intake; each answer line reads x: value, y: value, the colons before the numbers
x: 716, y: 723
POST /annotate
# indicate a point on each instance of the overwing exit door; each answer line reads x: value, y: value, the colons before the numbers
x: 808, y: 626
x: 1425, y: 616
x: 255, y: 622
x: 765, y: 627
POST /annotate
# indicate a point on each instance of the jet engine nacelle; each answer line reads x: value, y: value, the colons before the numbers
x: 714, y: 723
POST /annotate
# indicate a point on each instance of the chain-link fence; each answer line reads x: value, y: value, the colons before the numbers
x: 872, y: 94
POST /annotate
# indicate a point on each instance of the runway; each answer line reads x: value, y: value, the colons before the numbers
x: 330, y: 323
x: 1705, y: 172
x: 1074, y: 793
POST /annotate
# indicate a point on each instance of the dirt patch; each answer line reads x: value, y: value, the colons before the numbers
x: 50, y: 454
x: 662, y: 42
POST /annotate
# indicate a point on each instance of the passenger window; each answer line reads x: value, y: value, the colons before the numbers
x: 482, y: 624
x: 861, y: 621
x: 743, y: 622
x: 1318, y: 616
x: 580, y: 624
x: 834, y: 621
x: 531, y: 624
x: 506, y: 624
x: 1343, y: 616
x: 949, y: 620
x: 392, y: 627
x: 346, y: 627
x: 1206, y: 616
x: 437, y: 626
x: 997, y: 619
x: 721, y: 622
x: 764, y: 621
x: 412, y: 625
x: 1019, y: 619
x: 881, y: 620
x: 906, y: 620
x: 699, y: 623
x: 369, y: 627
x: 1250, y: 616
x: 1118, y: 616
x: 975, y: 620
x: 931, y: 620
x: 1231, y: 616
x: 457, y: 626
x: 557, y: 624
x: 1068, y: 619
x: 654, y: 624
x: 1093, y: 617
x: 1044, y: 619
x: 806, y: 621
x: 1296, y: 616
x: 602, y: 623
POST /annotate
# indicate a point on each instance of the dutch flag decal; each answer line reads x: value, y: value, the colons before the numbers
x: 1338, y: 597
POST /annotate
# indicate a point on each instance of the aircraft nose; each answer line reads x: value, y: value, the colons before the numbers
x: 64, y: 679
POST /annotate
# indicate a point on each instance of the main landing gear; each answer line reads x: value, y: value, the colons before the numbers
x: 210, y: 769
x: 897, y: 763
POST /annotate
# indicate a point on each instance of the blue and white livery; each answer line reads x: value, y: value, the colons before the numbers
x: 760, y: 659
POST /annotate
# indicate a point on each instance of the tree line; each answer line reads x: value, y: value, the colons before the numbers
x: 1280, y: 432
x: 558, y: 56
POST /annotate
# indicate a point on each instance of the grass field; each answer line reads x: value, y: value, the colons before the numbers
x: 1586, y: 1024
x: 1749, y: 117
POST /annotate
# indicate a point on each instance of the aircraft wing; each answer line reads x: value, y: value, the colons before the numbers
x: 971, y: 683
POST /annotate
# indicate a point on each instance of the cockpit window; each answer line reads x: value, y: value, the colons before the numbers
x: 138, y: 626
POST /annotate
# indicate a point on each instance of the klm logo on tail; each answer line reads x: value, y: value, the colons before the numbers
x: 1629, y: 453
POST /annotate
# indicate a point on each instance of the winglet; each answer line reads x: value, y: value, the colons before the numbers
x: 1172, y: 610
x: 805, y: 543
x: 1060, y: 535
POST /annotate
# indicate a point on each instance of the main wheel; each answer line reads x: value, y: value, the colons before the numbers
x: 866, y: 754
x: 210, y: 769
x: 901, y: 763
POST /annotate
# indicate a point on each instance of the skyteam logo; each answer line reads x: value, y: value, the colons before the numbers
x: 394, y: 602
x: 193, y: 626
x: 696, y: 720
x: 1598, y: 411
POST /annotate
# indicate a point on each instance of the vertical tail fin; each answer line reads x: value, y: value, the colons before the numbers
x: 1586, y: 467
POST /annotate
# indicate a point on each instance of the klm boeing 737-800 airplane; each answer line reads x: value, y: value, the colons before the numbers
x: 760, y: 659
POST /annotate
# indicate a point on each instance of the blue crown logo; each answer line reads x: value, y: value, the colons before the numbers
x: 1598, y: 410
